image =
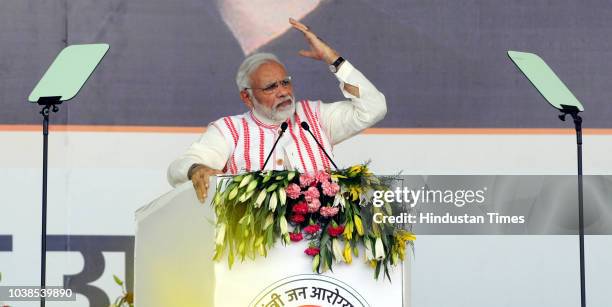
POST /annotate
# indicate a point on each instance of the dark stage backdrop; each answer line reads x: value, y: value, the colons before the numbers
x: 439, y: 63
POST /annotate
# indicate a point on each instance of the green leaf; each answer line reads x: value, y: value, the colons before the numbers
x: 387, y: 272
x: 217, y: 199
x: 230, y: 256
x: 117, y: 280
x: 329, y: 259
x: 315, y: 263
x: 323, y: 253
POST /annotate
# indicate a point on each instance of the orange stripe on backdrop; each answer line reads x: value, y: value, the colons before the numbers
x: 415, y: 131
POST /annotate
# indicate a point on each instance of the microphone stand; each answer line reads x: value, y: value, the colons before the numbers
x: 307, y: 128
x: 284, y: 126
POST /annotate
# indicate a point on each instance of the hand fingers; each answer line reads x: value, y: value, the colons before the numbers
x: 198, y: 190
x: 201, y: 185
x: 308, y: 54
x: 298, y: 25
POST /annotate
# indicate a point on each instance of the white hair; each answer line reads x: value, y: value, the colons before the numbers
x: 250, y: 65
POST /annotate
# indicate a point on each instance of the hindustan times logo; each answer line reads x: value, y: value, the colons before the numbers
x: 424, y: 195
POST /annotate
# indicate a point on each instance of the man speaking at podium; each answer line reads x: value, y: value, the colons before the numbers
x: 243, y: 143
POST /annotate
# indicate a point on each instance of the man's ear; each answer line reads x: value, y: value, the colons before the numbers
x: 246, y: 98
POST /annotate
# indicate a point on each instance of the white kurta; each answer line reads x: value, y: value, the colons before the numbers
x: 241, y: 143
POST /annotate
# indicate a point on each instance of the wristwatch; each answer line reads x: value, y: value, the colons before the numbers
x: 336, y: 64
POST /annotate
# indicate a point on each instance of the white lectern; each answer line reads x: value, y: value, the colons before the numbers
x: 174, y: 267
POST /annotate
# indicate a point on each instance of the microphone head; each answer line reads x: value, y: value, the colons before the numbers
x: 305, y: 126
x: 284, y: 126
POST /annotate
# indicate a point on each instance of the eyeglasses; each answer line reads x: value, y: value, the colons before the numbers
x: 272, y: 87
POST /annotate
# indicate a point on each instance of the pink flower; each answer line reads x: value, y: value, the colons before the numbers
x: 306, y: 180
x: 311, y: 193
x: 335, y: 231
x: 322, y: 176
x: 312, y: 251
x: 312, y: 229
x: 314, y: 205
x: 330, y: 188
x: 329, y: 211
x: 298, y: 218
x: 293, y: 191
x: 296, y: 237
x: 300, y: 208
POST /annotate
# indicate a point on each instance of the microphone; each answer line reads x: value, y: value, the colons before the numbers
x: 284, y: 126
x: 307, y: 128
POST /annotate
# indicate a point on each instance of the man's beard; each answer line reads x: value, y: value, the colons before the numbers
x: 277, y: 113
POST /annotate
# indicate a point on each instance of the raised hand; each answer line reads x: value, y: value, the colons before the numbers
x: 319, y: 50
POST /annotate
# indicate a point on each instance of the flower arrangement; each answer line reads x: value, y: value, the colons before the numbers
x: 126, y: 299
x: 331, y: 210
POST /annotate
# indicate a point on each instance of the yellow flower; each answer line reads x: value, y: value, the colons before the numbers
x: 401, y: 237
x: 355, y: 192
x: 358, y: 224
x: 373, y: 263
x: 348, y: 256
x: 355, y: 170
x: 348, y: 231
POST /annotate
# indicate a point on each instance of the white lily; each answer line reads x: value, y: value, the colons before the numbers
x: 379, y: 249
x: 282, y: 196
x: 245, y: 181
x: 269, y: 221
x: 368, y: 249
x: 260, y: 199
x: 339, y: 200
x: 220, y: 236
x: 283, y: 225
x: 252, y: 186
x: 337, y: 250
x: 273, y: 202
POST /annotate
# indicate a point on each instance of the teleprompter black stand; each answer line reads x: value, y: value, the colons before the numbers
x: 49, y: 104
x: 573, y: 112
x: 61, y: 82
x: 559, y: 96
